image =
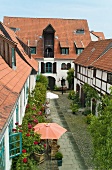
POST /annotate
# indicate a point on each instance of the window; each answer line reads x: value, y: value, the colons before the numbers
x: 13, y: 58
x: 80, y: 31
x: 64, y: 50
x: 27, y: 89
x: 68, y: 66
x: 79, y: 50
x: 33, y: 50
x: 109, y: 78
x: 17, y: 119
x: 15, y: 144
x: 63, y: 66
x: 48, y: 67
x: 2, y: 153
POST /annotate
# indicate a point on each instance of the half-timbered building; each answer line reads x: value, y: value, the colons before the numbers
x: 94, y: 66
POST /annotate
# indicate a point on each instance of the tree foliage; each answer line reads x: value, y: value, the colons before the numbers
x: 70, y: 77
x: 101, y: 131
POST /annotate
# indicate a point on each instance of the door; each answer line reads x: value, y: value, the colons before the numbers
x: 51, y: 82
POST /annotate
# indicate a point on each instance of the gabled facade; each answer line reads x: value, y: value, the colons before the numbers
x: 94, y: 66
x: 54, y: 43
x: 18, y: 72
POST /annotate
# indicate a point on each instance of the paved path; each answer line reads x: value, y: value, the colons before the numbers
x: 71, y: 143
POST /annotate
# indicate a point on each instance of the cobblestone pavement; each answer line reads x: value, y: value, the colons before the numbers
x: 75, y: 144
x: 78, y: 127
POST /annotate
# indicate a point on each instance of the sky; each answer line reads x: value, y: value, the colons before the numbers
x: 98, y: 13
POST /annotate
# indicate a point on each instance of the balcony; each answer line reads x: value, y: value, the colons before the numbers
x: 49, y: 55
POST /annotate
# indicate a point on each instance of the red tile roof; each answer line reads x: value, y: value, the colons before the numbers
x: 12, y: 81
x: 97, y: 54
x: 32, y: 28
x: 100, y: 35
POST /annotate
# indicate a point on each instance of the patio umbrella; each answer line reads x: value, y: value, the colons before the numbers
x: 49, y: 130
x: 50, y: 95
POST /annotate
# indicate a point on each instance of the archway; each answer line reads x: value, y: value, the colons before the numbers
x: 51, y: 82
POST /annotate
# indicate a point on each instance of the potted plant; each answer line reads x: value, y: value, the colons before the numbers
x: 74, y: 107
x: 58, y: 157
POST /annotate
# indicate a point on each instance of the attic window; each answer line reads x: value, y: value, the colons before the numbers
x: 14, y: 29
x: 33, y: 50
x: 13, y: 58
x: 79, y: 31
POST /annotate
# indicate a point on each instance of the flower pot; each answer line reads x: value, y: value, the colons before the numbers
x: 59, y: 162
x: 39, y: 157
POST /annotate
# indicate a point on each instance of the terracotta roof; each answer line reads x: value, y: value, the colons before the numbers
x: 64, y: 44
x: 100, y: 35
x: 32, y: 29
x: 94, y: 53
x: 13, y: 37
x: 79, y: 44
x: 12, y: 81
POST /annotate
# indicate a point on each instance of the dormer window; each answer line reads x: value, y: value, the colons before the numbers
x: 33, y: 50
x: 79, y: 31
x: 13, y: 58
x: 65, y: 51
x: 64, y: 47
x: 79, y: 50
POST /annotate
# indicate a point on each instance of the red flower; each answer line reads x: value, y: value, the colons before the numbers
x: 35, y: 120
x: 35, y: 143
x: 29, y: 126
x: 20, y: 130
x: 16, y: 123
x: 34, y: 108
x: 28, y: 134
x: 20, y: 125
x: 24, y: 150
x: 33, y: 129
x: 14, y: 130
x: 25, y: 160
x: 44, y: 145
x: 39, y: 113
x: 27, y: 106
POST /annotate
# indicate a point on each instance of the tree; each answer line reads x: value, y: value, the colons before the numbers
x: 101, y: 131
x: 70, y: 77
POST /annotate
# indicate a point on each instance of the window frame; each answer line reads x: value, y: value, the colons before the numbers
x: 13, y: 141
x: 2, y: 155
x: 48, y: 67
x: 32, y: 48
x: 64, y: 51
x: 109, y: 78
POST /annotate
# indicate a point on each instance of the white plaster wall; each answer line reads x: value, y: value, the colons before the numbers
x: 85, y: 79
x: 104, y: 86
x: 94, y: 81
x: 60, y: 73
x: 90, y: 73
x: 86, y: 70
x: 32, y: 80
x: 98, y: 73
x: 104, y: 77
x: 93, y: 37
x: 98, y: 83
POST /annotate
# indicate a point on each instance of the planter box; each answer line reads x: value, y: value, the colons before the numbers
x: 59, y: 162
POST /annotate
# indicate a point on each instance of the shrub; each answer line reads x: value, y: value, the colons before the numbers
x: 89, y: 118
x: 58, y: 155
